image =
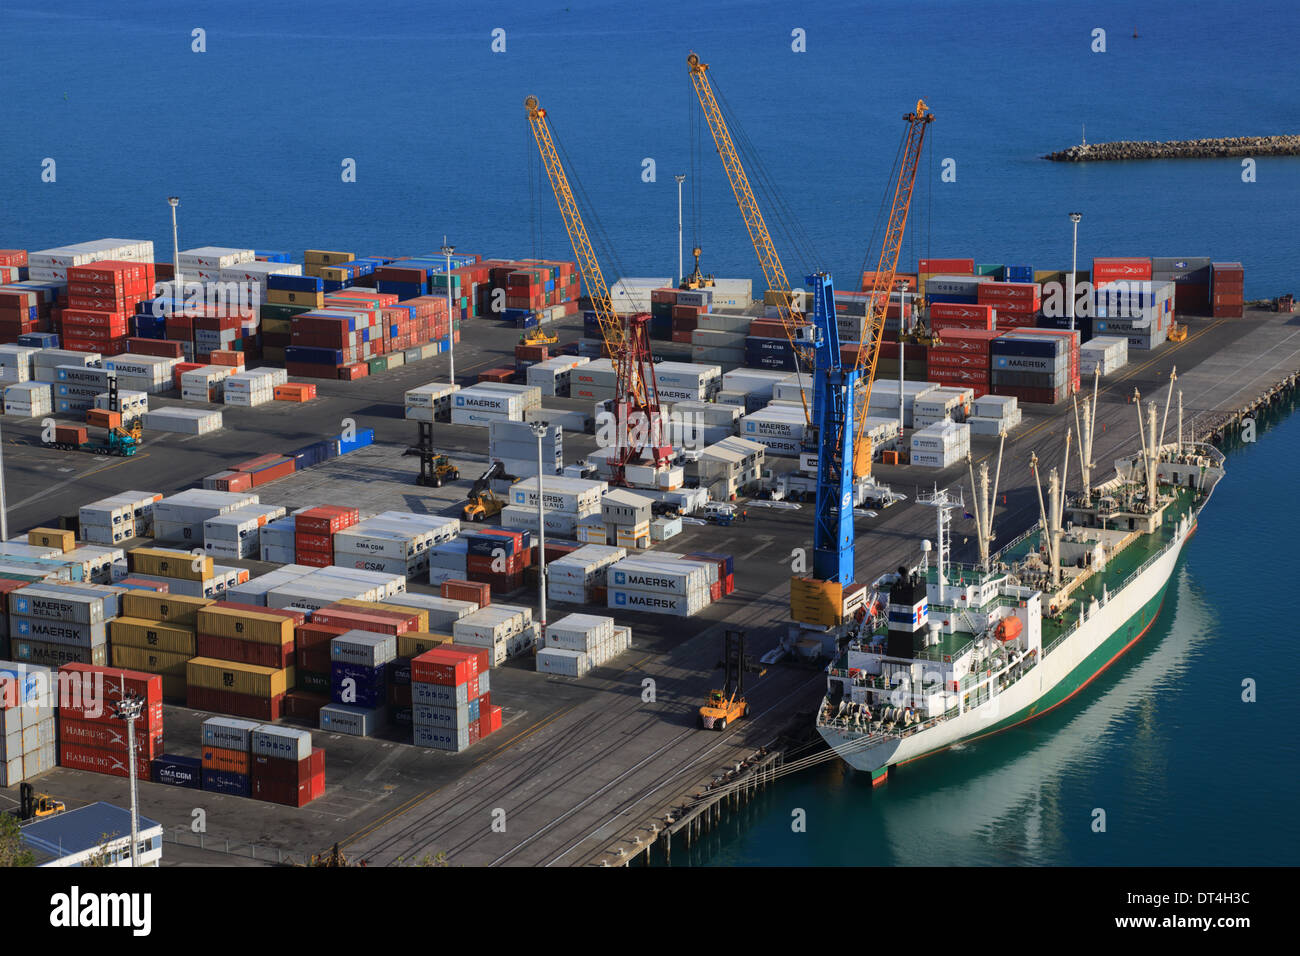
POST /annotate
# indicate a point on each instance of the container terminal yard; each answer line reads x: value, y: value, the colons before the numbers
x: 587, y: 770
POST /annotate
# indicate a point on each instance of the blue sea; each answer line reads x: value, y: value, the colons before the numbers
x: 253, y: 134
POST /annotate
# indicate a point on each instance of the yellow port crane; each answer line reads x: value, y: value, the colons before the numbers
x: 878, y: 300
x: 627, y: 340
x: 773, y: 272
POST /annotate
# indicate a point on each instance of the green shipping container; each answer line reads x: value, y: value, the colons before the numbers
x: 378, y: 364
x: 269, y: 310
x: 312, y: 682
x: 991, y: 269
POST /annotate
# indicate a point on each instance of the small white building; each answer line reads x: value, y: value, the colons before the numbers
x: 75, y: 837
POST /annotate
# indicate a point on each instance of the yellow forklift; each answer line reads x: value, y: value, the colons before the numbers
x: 538, y: 336
x: 37, y: 806
x: 728, y: 704
x: 435, y: 469
x: 483, y: 504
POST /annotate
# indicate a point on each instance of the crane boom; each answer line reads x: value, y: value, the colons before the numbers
x: 891, y: 247
x: 638, y: 422
x: 773, y: 272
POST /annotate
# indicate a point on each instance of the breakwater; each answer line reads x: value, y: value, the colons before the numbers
x: 1180, y: 149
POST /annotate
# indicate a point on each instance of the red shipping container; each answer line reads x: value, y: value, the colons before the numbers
x: 438, y: 667
x: 82, y: 683
x: 982, y: 315
x: 313, y: 559
x: 458, y: 590
x: 245, y: 652
x: 236, y: 705
x: 475, y: 658
x: 13, y: 257
x: 1112, y: 268
x: 350, y: 373
x: 110, y: 736
x: 303, y: 706
x: 93, y: 760
x: 234, y: 481
x: 953, y: 267
x: 320, y: 543
x: 360, y: 621
x: 410, y: 621
x: 325, y: 519
x: 282, y: 470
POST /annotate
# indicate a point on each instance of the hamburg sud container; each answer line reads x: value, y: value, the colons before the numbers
x: 659, y: 586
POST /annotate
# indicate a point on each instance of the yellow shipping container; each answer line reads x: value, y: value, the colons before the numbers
x: 52, y: 538
x: 416, y: 643
x: 816, y: 602
x: 289, y: 297
x: 322, y: 257
x: 420, y: 614
x: 151, y: 635
x: 333, y: 274
x: 153, y: 662
x: 212, y: 674
x: 245, y: 625
x: 170, y: 608
x: 170, y: 563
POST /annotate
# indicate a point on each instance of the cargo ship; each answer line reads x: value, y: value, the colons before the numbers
x: 950, y: 652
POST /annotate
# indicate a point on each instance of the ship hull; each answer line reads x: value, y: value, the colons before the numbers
x: 1071, y: 666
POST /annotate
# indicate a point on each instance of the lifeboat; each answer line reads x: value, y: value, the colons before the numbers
x: 1008, y: 629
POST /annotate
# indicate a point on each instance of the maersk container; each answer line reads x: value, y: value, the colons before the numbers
x: 671, y: 577
x: 61, y: 603
x: 177, y: 771
x: 657, y: 602
x: 352, y: 720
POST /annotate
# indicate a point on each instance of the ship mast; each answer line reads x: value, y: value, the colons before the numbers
x: 1087, y: 427
x: 1173, y: 377
x: 1180, y: 423
x: 1049, y: 516
x: 985, y: 503
x: 1147, y: 432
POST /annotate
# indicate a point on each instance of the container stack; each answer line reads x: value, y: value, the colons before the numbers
x: 940, y: 445
x: 579, y: 642
x: 393, y: 542
x: 227, y: 755
x: 780, y: 428
x: 497, y: 557
x: 180, y: 517
x: 22, y: 310
x: 504, y: 629
x: 359, y: 664
x: 451, y: 707
x: 1033, y: 368
x: 143, y: 373
x: 1016, y: 303
x: 130, y: 404
x: 29, y: 400
x: 237, y: 534
x: 90, y: 736
x: 28, y: 746
x: 306, y: 589
x: 596, y: 381
x: 1227, y: 289
x: 285, y: 768
x: 1142, y: 311
x: 53, y: 264
x: 156, y: 633
x: 119, y: 517
x: 429, y: 403
x: 56, y: 624
x: 566, y: 501
x: 1105, y: 354
x: 994, y: 415
x: 516, y: 447
x: 945, y: 403
x: 17, y: 362
x: 554, y: 375
x: 229, y: 631
x: 961, y: 358
x: 100, y: 298
x: 489, y: 402
x: 184, y: 421
x: 949, y: 316
x: 229, y: 687
x: 661, y: 584
x: 250, y: 389
x: 580, y: 577
x: 1191, y: 276
x: 314, y: 530
x: 683, y: 381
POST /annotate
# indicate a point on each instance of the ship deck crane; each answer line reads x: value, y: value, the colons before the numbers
x: 789, y: 311
x: 636, y: 396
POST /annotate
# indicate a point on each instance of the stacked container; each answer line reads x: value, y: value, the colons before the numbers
x: 1016, y: 303
x: 314, y: 530
x: 227, y: 755
x: 497, y: 557
x: 229, y: 687
x: 579, y: 642
x: 358, y: 682
x: 451, y: 710
x: 28, y: 745
x: 1033, y: 368
x: 393, y: 542
x: 100, y: 297
x: 940, y: 404
x: 515, y: 446
x: 250, y: 389
x: 429, y: 403
x: 661, y: 584
x: 961, y: 358
x: 29, y: 400
x: 580, y: 577
x: 91, y: 737
x: 145, y: 373
x: 504, y: 629
x: 778, y: 427
x: 1227, y: 289
x: 940, y: 445
x: 246, y: 634
x: 56, y: 624
x: 565, y: 502
x: 119, y: 517
x: 1107, y: 354
x: 237, y: 534
x: 285, y: 768
x: 994, y: 415
x: 156, y: 633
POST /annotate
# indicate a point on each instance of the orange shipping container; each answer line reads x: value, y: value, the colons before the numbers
x: 103, y: 418
x: 223, y: 758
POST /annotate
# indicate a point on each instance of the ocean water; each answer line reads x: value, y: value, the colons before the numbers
x: 252, y: 135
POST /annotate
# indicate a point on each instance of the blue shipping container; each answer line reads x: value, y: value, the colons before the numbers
x: 362, y: 438
x: 222, y: 781
x: 177, y: 771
